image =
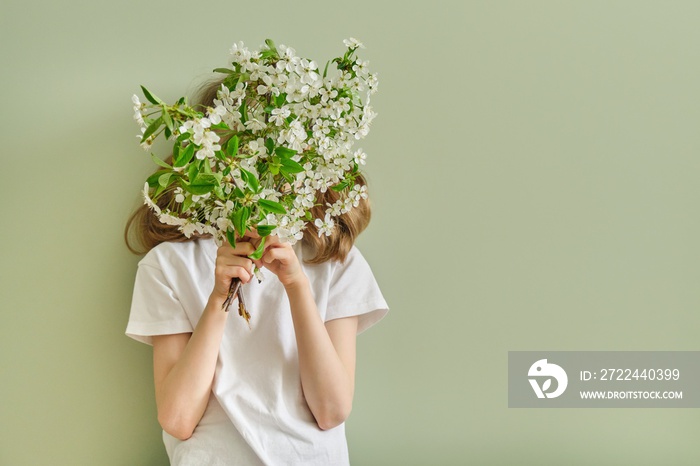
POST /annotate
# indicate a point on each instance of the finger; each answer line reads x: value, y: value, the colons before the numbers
x: 237, y: 261
x: 243, y: 248
x: 275, y: 253
x: 272, y: 240
x: 225, y: 273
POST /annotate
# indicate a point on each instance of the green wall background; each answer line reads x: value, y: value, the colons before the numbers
x: 534, y: 174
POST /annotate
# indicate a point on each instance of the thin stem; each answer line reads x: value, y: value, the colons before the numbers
x: 232, y: 291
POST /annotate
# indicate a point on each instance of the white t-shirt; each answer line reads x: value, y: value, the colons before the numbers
x: 257, y: 413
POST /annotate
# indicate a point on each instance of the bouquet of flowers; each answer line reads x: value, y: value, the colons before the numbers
x: 278, y: 133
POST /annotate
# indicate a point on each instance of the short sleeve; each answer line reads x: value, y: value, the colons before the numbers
x: 155, y: 309
x: 354, y: 292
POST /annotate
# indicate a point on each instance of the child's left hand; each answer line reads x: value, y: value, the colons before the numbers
x: 281, y: 260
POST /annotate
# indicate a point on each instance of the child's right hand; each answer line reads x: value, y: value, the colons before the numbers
x: 232, y: 262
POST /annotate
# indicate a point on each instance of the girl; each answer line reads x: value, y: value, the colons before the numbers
x: 280, y: 391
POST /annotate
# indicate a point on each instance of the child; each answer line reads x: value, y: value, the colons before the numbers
x: 279, y: 391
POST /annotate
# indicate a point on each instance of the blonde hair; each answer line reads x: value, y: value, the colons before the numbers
x: 143, y: 230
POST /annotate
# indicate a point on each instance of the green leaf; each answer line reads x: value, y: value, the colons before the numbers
x: 240, y: 219
x: 268, y: 109
x: 183, y: 137
x: 237, y: 193
x: 230, y: 81
x: 265, y: 230
x: 153, y: 179
x: 244, y: 112
x: 221, y: 125
x: 325, y: 70
x: 271, y: 45
x: 207, y: 168
x: 184, y: 156
x: 223, y: 70
x: 151, y: 97
x: 202, y: 184
x: 259, y: 251
x: 186, y: 203
x: 269, y: 145
x: 232, y: 146
x: 267, y: 54
x: 308, y: 216
x: 280, y: 99
x: 164, y: 179
x: 193, y: 170
x: 287, y: 176
x: 158, y: 161
x: 244, y: 175
x: 155, y: 124
x: 340, y: 186
x: 166, y: 118
x: 231, y: 236
x: 290, y: 166
x: 271, y: 206
x: 250, y: 179
x: 157, y: 192
x: 243, y: 78
x: 285, y: 152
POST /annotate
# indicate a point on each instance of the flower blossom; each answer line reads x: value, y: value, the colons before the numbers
x: 286, y: 104
x: 325, y: 226
x: 353, y: 43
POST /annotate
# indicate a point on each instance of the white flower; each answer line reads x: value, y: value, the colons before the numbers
x: 148, y: 201
x: 170, y: 219
x: 335, y: 209
x: 139, y: 118
x: 353, y: 43
x: 239, y: 91
x: 279, y: 115
x: 306, y: 69
x: 138, y: 108
x: 254, y: 125
x: 270, y: 195
x: 223, y: 223
x: 327, y: 93
x: 360, y: 157
x: 216, y: 113
x: 257, y: 147
x: 188, y: 229
x: 358, y: 192
x: 207, y: 141
x: 360, y: 66
x: 240, y: 53
x: 372, y: 84
x: 146, y: 145
x: 267, y: 87
x: 294, y: 135
x: 325, y: 226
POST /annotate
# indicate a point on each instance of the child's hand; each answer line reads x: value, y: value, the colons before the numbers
x: 281, y: 260
x: 232, y: 262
